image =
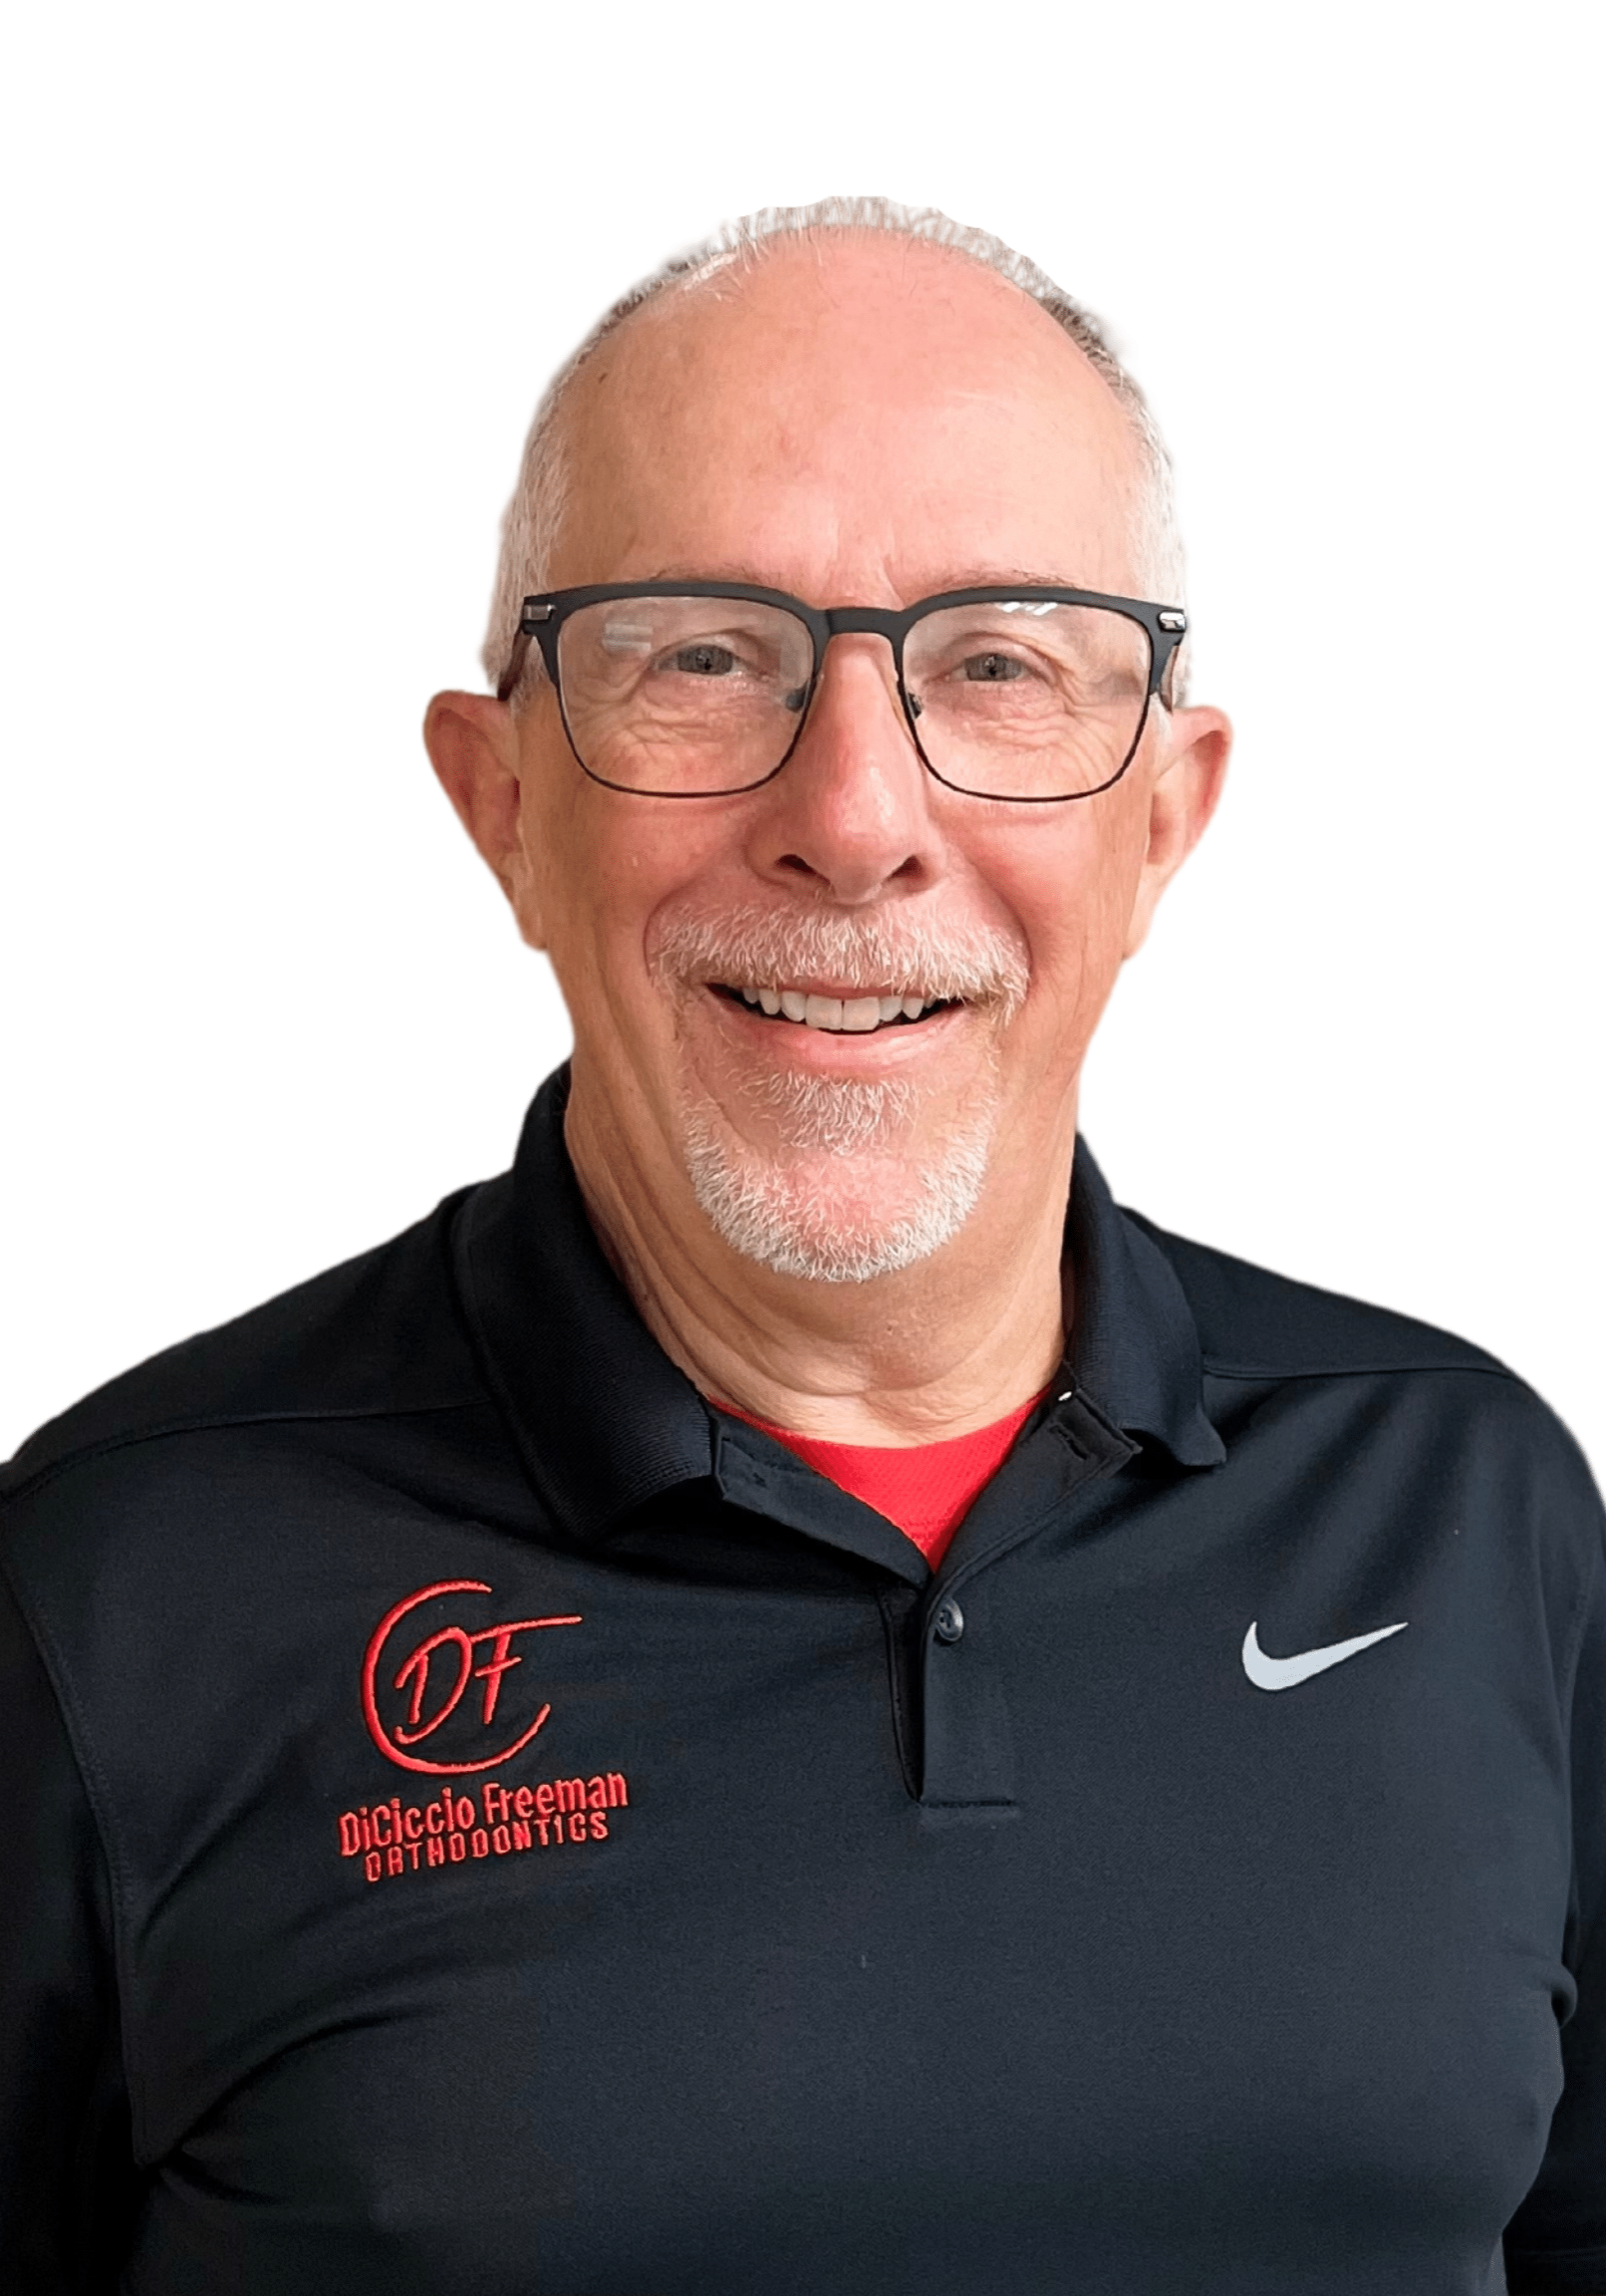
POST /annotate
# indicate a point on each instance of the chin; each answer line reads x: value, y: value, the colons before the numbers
x: 835, y: 1214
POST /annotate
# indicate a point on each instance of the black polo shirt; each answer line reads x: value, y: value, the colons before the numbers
x: 480, y: 1820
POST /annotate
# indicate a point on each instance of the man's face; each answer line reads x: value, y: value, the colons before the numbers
x: 865, y: 424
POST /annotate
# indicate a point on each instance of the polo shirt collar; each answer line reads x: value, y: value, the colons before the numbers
x: 604, y: 1422
x: 1134, y: 1348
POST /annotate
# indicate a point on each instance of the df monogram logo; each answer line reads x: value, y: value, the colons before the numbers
x: 415, y: 1684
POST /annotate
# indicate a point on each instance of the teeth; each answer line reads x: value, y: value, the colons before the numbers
x: 850, y: 1015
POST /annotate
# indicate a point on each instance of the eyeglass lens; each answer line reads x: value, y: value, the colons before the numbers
x: 1020, y: 697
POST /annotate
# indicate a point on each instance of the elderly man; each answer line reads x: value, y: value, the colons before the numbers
x: 784, y: 1699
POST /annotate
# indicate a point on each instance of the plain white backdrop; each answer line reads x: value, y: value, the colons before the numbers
x: 282, y: 287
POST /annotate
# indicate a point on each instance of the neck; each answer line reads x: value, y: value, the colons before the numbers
x: 938, y: 1349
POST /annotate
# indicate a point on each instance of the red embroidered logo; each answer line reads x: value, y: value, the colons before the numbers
x: 431, y: 1694
x: 395, y: 1838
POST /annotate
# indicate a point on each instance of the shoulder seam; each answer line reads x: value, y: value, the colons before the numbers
x: 1595, y: 2253
x: 1216, y: 1368
x: 98, y: 1800
x: 1178, y: 1249
x: 1579, y: 1629
x: 208, y: 1424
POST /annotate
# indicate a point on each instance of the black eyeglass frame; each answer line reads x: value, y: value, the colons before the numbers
x: 543, y: 616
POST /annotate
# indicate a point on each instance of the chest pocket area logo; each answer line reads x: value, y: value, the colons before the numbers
x: 432, y: 1684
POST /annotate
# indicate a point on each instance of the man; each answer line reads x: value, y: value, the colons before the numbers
x: 784, y: 1698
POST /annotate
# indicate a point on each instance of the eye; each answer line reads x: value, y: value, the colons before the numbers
x: 705, y: 660
x: 992, y: 668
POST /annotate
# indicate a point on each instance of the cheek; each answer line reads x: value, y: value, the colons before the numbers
x: 602, y: 868
x: 1072, y: 894
x: 596, y: 922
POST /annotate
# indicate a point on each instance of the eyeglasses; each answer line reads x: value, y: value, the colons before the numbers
x: 702, y: 688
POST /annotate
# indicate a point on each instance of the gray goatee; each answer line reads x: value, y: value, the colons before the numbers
x: 757, y: 1201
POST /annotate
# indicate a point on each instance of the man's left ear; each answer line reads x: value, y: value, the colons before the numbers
x: 1181, y: 799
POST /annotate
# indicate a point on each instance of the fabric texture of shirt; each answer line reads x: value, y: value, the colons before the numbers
x: 481, y: 1820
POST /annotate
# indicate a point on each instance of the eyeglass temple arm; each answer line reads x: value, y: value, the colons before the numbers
x: 1173, y: 627
x: 510, y: 676
x: 530, y: 618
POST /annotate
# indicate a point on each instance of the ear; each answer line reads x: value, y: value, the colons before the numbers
x: 1183, y: 795
x: 473, y: 746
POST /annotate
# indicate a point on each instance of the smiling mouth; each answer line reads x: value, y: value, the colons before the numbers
x: 837, y: 1015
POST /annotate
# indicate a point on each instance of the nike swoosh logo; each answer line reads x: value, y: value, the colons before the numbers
x: 1282, y: 1673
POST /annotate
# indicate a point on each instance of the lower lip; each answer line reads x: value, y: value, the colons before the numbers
x: 835, y: 1049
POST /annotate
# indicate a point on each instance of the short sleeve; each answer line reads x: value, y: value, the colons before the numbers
x: 67, y: 2182
x: 1555, y: 2244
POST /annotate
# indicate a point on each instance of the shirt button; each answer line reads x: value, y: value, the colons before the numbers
x: 950, y: 1622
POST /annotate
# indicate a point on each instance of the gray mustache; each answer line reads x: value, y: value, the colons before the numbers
x: 761, y: 947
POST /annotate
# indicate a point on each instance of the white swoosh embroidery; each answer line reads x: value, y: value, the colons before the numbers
x: 1282, y: 1673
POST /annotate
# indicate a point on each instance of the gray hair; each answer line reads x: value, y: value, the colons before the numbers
x: 540, y: 500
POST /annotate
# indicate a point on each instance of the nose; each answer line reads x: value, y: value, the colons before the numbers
x: 850, y: 815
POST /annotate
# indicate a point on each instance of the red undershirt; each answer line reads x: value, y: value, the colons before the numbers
x: 924, y: 1488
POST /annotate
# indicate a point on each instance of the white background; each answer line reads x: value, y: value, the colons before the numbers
x: 283, y: 285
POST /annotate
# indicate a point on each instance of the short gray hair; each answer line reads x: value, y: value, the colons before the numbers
x: 532, y: 519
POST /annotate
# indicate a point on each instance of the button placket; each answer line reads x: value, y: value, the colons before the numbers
x: 968, y: 1738
x: 966, y: 1734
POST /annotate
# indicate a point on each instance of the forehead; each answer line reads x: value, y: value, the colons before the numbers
x: 885, y: 413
